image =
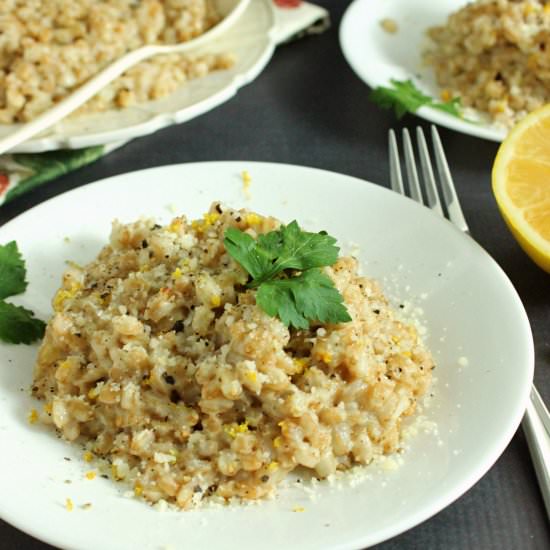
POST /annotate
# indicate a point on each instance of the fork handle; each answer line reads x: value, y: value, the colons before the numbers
x: 538, y: 440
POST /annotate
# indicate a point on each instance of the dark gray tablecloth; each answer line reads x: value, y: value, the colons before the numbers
x: 308, y: 108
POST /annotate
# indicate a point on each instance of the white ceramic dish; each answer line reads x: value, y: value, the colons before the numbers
x: 471, y: 310
x: 250, y: 32
x: 378, y: 57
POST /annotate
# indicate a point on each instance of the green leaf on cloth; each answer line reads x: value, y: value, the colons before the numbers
x: 48, y: 166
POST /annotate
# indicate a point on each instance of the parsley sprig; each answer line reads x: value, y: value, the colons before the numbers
x: 404, y: 97
x: 17, y: 324
x: 285, y: 268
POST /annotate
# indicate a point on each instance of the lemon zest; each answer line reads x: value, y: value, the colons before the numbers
x: 33, y: 416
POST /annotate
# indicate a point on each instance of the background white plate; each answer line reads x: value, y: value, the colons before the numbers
x: 471, y: 310
x: 252, y: 38
x: 377, y: 56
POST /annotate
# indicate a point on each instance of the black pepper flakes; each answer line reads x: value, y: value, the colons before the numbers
x: 264, y: 478
x: 178, y: 326
x: 168, y: 378
x: 144, y: 243
x: 175, y: 396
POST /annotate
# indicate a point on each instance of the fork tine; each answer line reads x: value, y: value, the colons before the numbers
x: 449, y: 192
x: 396, y: 180
x: 428, y: 175
x: 410, y: 165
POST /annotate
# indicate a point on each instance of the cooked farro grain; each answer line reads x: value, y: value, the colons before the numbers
x: 389, y: 25
x: 50, y: 47
x: 495, y: 55
x: 159, y: 358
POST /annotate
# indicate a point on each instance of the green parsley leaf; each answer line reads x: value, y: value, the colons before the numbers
x: 292, y: 248
x: 286, y: 248
x: 404, y: 97
x: 310, y: 295
x: 18, y: 325
x: 273, y: 258
x: 453, y: 107
x: 245, y: 250
x: 12, y: 270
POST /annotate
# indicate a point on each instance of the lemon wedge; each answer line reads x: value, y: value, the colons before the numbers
x: 521, y: 184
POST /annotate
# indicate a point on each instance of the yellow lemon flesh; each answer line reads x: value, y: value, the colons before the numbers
x: 521, y: 184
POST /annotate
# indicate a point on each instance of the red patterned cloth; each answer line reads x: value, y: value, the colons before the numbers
x: 287, y: 3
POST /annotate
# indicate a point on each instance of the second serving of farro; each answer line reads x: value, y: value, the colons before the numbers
x: 495, y: 56
x: 160, y: 360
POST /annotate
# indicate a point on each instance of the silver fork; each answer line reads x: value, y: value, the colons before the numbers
x: 536, y: 421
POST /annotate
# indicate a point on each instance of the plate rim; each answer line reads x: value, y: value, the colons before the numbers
x: 442, y: 500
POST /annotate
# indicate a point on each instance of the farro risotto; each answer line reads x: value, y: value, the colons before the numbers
x: 495, y: 55
x: 48, y: 48
x: 160, y: 361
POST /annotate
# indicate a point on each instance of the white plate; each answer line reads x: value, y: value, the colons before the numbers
x: 252, y: 37
x: 377, y: 56
x: 471, y: 310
